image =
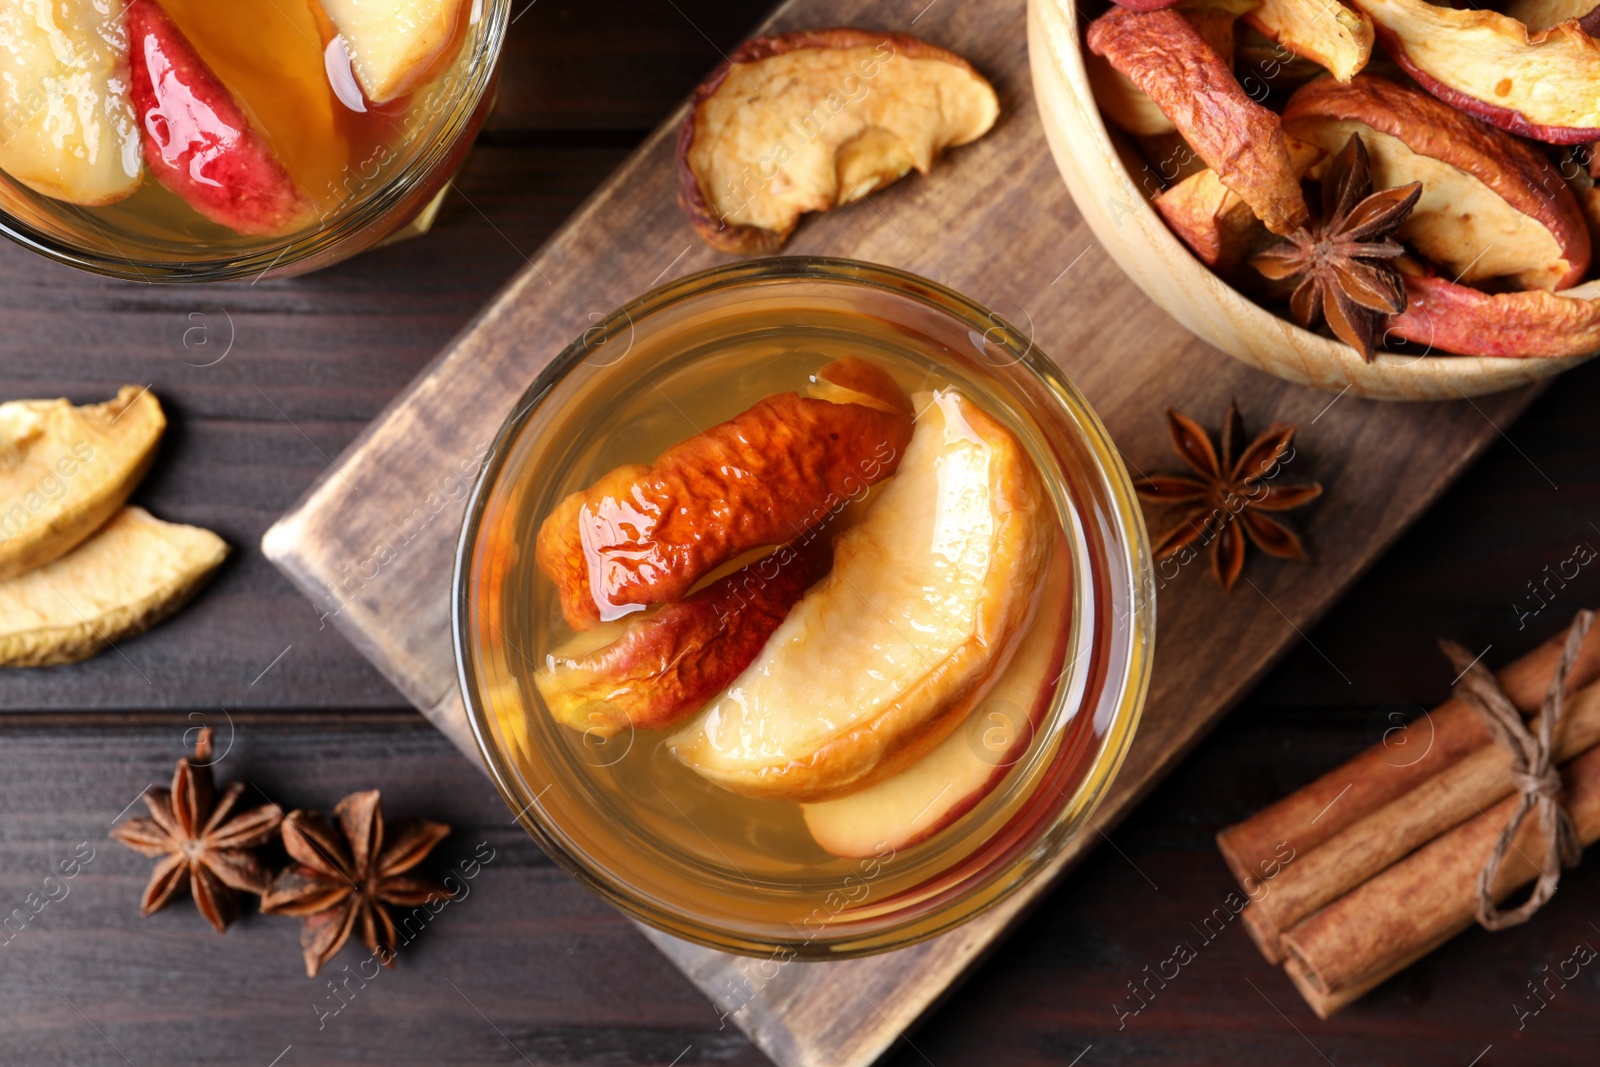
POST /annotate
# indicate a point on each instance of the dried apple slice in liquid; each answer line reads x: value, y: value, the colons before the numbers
x: 396, y: 45
x: 1491, y: 205
x: 1544, y: 85
x: 69, y: 129
x: 812, y: 120
x: 948, y: 782
x: 645, y: 535
x: 130, y: 575
x: 650, y: 672
x: 928, y: 595
x: 65, y: 470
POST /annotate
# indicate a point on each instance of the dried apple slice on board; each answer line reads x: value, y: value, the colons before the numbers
x: 652, y: 671
x: 1215, y: 222
x: 927, y: 598
x: 199, y: 142
x: 1441, y: 316
x: 948, y: 782
x: 813, y: 120
x: 132, y: 574
x: 1544, y: 85
x: 1194, y: 87
x: 1491, y: 206
x: 1324, y: 31
x: 645, y: 535
x: 396, y: 45
x: 69, y: 129
x: 65, y: 470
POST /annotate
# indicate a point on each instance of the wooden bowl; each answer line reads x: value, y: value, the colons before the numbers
x: 1095, y: 164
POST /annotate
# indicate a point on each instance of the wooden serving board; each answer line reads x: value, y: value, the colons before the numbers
x: 372, y: 541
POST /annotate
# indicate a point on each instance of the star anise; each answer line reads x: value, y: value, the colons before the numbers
x: 204, y: 843
x: 1342, y: 260
x: 342, y: 878
x: 1240, y: 484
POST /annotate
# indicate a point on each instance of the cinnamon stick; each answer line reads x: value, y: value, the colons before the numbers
x: 1305, y: 819
x: 1431, y: 895
x: 1371, y: 845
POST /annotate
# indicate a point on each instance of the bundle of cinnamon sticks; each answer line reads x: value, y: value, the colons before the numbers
x: 1377, y: 863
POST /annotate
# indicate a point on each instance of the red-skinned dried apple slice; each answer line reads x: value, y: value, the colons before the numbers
x: 645, y: 535
x: 1445, y: 317
x: 1238, y: 138
x: 809, y: 121
x: 1491, y: 206
x: 1542, y: 85
x: 662, y: 667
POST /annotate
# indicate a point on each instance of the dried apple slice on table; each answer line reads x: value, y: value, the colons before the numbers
x: 1491, y: 206
x: 130, y: 575
x: 397, y: 45
x: 928, y: 596
x: 65, y: 470
x: 202, y: 144
x: 812, y: 120
x: 1543, y: 85
x: 948, y: 782
x: 1194, y: 86
x: 69, y: 126
x: 645, y: 535
x: 650, y: 672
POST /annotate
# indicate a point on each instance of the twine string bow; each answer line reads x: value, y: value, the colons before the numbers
x: 1532, y: 772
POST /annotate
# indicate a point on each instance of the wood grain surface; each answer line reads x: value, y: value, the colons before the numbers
x: 533, y: 969
x: 995, y: 222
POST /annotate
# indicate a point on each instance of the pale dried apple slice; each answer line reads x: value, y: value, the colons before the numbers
x: 396, y: 45
x: 1215, y: 222
x: 927, y: 598
x: 1543, y: 85
x: 67, y: 127
x: 1324, y: 31
x: 645, y: 534
x: 813, y: 120
x: 1491, y: 206
x: 1194, y: 87
x: 1441, y: 316
x: 653, y: 671
x: 1542, y: 14
x: 132, y: 574
x: 939, y: 788
x: 65, y: 470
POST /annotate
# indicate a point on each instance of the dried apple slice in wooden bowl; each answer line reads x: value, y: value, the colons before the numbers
x: 1189, y: 244
x: 795, y: 547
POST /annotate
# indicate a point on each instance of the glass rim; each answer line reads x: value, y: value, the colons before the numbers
x: 346, y: 223
x: 1135, y: 577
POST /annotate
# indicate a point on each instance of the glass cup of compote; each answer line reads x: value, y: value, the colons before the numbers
x: 803, y: 609
x: 201, y: 140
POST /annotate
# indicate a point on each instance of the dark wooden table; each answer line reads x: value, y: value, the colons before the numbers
x: 530, y: 968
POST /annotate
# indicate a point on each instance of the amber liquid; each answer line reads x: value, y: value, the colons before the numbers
x: 632, y: 784
x: 337, y: 146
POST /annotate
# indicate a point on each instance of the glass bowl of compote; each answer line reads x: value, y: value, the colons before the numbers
x: 204, y: 140
x: 803, y: 609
